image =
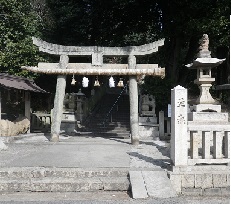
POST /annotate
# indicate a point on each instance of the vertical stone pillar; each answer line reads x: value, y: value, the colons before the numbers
x: 206, y: 144
x: 168, y: 127
x: 179, y: 147
x: 58, y: 101
x: 0, y: 106
x: 133, y: 96
x: 217, y: 144
x: 27, y: 107
x: 161, y: 124
x: 227, y: 141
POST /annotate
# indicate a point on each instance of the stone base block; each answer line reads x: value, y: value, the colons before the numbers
x: 69, y: 127
x: 196, y: 180
x: 151, y: 120
x: 208, y: 117
x: 192, y: 191
x: 148, y: 113
x: 225, y: 191
x: 148, y: 131
x: 212, y: 192
x: 206, y: 108
x: 69, y: 123
x: 68, y: 116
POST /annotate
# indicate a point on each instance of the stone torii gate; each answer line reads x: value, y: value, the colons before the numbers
x: 97, y: 67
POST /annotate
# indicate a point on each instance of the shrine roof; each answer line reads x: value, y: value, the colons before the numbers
x: 21, y: 83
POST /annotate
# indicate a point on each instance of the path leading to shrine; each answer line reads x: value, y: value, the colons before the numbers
x: 104, y: 163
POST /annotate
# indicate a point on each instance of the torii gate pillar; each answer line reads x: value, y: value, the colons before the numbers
x: 133, y: 96
x: 58, y: 102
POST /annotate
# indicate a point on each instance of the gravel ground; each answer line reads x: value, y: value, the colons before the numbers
x: 150, y: 154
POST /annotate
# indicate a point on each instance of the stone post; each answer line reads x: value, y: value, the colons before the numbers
x: 58, y: 101
x: 168, y: 127
x: 161, y: 124
x: 27, y: 107
x: 179, y: 147
x: 133, y: 96
x: 0, y: 105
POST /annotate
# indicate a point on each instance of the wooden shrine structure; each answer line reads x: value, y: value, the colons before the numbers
x: 97, y: 67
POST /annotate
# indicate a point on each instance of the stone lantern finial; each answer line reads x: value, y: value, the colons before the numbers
x: 204, y: 43
x: 204, y: 47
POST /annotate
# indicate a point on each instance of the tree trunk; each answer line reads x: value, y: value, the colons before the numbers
x: 172, y: 64
x: 192, y: 51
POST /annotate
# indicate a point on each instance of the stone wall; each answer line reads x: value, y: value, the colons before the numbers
x: 212, y: 180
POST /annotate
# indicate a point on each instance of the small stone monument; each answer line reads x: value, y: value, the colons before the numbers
x: 69, y: 118
x: 80, y: 101
x: 148, y: 105
x: 72, y: 112
x: 148, y: 120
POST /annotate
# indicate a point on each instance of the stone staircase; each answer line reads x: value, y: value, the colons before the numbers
x: 45, y: 179
x: 140, y: 184
x: 116, y: 125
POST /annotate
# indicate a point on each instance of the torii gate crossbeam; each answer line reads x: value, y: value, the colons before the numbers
x: 97, y: 67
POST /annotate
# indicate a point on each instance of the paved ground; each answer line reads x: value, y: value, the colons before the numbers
x: 84, y: 152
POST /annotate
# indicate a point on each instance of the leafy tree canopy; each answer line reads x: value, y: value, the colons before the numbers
x: 114, y: 23
x: 17, y: 24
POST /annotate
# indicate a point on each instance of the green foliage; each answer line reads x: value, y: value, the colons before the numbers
x: 184, y: 22
x: 17, y: 25
x: 105, y: 23
x: 115, y: 23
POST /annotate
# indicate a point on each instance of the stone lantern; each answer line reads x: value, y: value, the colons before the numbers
x: 204, y: 64
x: 80, y: 110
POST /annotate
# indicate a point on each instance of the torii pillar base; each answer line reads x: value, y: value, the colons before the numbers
x: 54, y: 138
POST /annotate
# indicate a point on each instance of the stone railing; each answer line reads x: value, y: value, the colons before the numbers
x: 208, y: 144
x: 200, y: 150
x: 40, y: 122
x: 196, y: 143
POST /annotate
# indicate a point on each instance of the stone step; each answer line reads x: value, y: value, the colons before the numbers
x: 45, y: 179
x: 151, y: 183
x: 107, y: 129
x: 120, y: 127
x: 100, y: 125
x: 111, y: 135
x: 43, y: 172
x: 64, y: 184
